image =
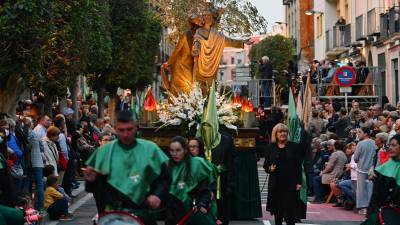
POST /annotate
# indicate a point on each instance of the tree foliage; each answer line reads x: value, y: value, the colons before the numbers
x: 240, y: 18
x: 135, y: 37
x: 48, y: 43
x: 278, y: 48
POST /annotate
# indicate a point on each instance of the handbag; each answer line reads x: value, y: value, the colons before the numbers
x: 63, y: 162
x: 17, y: 171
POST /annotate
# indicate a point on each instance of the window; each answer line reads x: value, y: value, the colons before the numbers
x: 319, y: 26
x: 239, y: 61
x: 232, y: 60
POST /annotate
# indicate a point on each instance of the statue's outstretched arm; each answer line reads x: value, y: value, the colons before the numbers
x: 229, y: 42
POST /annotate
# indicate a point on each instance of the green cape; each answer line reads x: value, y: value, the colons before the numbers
x: 199, y: 171
x: 390, y: 169
x: 130, y: 171
x: 10, y: 215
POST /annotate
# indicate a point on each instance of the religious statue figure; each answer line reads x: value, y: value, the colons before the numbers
x: 208, y: 47
x: 180, y: 63
x: 198, y: 53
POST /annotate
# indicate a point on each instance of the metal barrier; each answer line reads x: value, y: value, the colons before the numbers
x: 262, y: 92
x: 368, y: 92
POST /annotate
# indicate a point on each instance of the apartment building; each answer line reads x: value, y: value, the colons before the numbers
x: 370, y: 32
x: 300, y: 27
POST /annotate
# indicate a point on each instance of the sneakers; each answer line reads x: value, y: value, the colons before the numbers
x: 362, y: 211
x: 66, y: 217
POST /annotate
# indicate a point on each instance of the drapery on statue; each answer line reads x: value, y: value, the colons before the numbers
x: 198, y: 53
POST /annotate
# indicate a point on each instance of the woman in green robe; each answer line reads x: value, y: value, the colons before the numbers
x: 384, y: 207
x: 190, y: 186
x: 196, y: 148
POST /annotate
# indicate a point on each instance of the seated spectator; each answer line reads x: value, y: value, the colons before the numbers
x: 55, y: 202
x: 332, y: 171
x: 342, y: 188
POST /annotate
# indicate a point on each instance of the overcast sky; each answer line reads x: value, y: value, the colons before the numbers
x: 272, y: 10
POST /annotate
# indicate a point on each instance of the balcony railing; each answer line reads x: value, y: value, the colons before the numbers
x: 360, y: 27
x: 394, y: 20
x: 341, y: 35
x: 329, y: 39
x: 373, y: 21
x: 384, y: 25
x: 390, y: 22
x: 338, y: 37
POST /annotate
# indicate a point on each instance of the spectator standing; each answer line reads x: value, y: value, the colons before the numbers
x: 364, y: 156
x: 37, y: 164
x: 316, y: 124
x: 266, y: 71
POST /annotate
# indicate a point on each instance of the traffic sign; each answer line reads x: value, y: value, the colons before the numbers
x: 345, y: 76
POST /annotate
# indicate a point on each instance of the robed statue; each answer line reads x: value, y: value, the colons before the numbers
x: 198, y: 53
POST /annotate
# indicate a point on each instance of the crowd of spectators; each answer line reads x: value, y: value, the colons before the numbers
x: 346, y: 147
x: 37, y: 150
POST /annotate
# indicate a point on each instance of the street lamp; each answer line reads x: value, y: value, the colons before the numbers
x: 280, y: 23
x: 311, y: 12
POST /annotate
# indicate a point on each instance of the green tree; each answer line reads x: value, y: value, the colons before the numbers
x: 278, y: 48
x: 25, y: 28
x: 240, y: 16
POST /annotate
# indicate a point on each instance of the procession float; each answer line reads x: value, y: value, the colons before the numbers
x: 196, y: 106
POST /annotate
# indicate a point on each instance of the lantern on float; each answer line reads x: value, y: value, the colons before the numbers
x: 149, y: 109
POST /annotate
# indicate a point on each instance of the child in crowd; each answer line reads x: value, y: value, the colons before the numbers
x: 31, y: 216
x: 55, y: 202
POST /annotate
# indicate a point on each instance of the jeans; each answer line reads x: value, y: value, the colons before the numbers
x: 310, y: 178
x: 347, y: 190
x: 318, y: 188
x: 57, y: 209
x: 38, y: 179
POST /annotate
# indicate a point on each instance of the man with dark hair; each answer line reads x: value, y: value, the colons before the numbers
x: 128, y: 173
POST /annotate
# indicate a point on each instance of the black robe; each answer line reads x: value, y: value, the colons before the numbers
x: 283, y: 199
x: 224, y: 155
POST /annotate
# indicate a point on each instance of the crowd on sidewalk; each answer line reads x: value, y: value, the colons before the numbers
x: 346, y: 148
x: 42, y: 156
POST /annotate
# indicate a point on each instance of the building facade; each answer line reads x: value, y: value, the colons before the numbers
x: 370, y: 32
x: 300, y: 27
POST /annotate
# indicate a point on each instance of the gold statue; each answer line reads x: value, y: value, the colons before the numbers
x: 198, y: 53
x: 180, y: 64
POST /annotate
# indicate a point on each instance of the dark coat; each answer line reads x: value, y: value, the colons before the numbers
x: 266, y: 70
x: 224, y: 155
x: 283, y: 199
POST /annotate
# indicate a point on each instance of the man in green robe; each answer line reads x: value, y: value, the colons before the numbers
x: 385, y: 200
x: 128, y: 174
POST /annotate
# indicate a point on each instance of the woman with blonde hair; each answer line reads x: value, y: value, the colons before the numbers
x: 283, y: 163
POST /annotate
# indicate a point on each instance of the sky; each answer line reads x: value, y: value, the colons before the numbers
x: 272, y: 10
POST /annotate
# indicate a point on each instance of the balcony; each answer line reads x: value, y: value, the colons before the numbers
x: 360, y: 34
x: 373, y: 21
x: 390, y: 23
x: 337, y: 39
x: 286, y: 2
x: 394, y: 20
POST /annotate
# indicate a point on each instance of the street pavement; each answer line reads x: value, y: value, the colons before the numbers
x: 84, y: 210
x: 323, y: 214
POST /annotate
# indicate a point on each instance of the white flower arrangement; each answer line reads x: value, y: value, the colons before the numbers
x: 188, y: 109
